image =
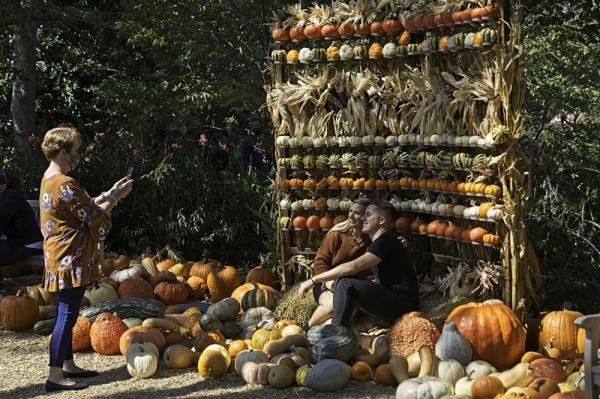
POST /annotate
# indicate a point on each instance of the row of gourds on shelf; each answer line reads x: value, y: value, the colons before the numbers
x: 479, y: 353
x: 498, y: 135
x: 365, y: 18
x: 390, y: 159
x: 432, y: 44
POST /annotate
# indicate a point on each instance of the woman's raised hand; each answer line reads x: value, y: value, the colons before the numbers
x: 122, y: 188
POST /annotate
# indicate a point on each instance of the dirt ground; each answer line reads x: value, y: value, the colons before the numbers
x: 23, y: 371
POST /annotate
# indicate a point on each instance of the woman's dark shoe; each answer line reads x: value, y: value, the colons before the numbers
x: 81, y: 374
x: 53, y: 386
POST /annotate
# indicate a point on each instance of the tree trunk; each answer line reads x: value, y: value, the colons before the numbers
x: 23, y: 93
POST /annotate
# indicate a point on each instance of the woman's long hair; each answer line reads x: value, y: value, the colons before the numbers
x: 345, y: 225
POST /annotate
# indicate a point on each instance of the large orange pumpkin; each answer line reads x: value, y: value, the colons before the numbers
x: 196, y: 287
x: 558, y: 328
x: 19, y: 312
x: 261, y: 275
x: 221, y: 283
x: 165, y: 265
x: 299, y: 222
x: 493, y: 330
x: 203, y: 267
x: 81, y: 334
x: 141, y: 334
x: 171, y: 293
x: 105, y: 333
x: 135, y: 287
x: 410, y: 332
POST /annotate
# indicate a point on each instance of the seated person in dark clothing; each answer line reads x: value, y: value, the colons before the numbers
x: 394, y: 291
x: 17, y: 223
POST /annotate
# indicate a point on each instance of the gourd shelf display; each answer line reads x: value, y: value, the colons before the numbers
x: 415, y: 107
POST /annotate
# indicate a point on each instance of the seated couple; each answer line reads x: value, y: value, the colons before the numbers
x: 365, y: 242
x: 19, y: 231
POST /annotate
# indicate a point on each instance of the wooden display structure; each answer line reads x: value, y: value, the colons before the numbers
x: 432, y: 164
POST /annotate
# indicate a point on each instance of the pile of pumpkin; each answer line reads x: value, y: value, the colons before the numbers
x: 479, y: 353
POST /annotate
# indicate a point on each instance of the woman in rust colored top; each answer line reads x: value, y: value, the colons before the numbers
x: 343, y: 243
x: 73, y: 224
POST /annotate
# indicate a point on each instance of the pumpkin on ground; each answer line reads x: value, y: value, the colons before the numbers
x: 249, y: 355
x: 362, y: 372
x: 171, y: 293
x: 165, y: 265
x: 105, y: 333
x: 281, y: 376
x: 548, y: 368
x: 328, y: 375
x: 486, y: 387
x: 135, y: 287
x: 423, y: 387
x: 178, y: 357
x: 141, y: 362
x: 81, y: 334
x: 237, y: 346
x: 221, y: 349
x: 410, y: 332
x: 256, y: 373
x: 141, y: 334
x: 257, y: 297
x: 493, y: 330
x: 212, y: 364
x: 209, y: 338
x: 384, y: 375
x: 102, y: 293
x: 261, y: 275
x: 558, y: 329
x: 19, y: 312
x: 196, y: 287
x: 203, y: 267
x: 222, y: 282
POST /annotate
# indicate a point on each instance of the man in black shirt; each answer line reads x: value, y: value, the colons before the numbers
x: 17, y: 223
x: 394, y: 291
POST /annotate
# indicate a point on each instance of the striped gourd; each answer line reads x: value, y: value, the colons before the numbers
x: 317, y: 333
x: 341, y: 347
x: 126, y: 308
x: 257, y: 298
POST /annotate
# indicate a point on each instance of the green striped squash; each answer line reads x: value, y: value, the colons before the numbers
x: 257, y: 298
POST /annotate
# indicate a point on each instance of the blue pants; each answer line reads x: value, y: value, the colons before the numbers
x: 68, y: 302
x: 379, y: 301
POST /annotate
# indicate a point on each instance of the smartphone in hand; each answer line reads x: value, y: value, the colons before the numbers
x: 130, y: 172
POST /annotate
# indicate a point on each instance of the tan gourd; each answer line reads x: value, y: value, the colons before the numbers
x: 163, y: 324
x: 518, y: 376
x: 281, y: 376
x: 399, y: 367
x: 282, y: 345
x: 427, y: 361
x: 178, y: 357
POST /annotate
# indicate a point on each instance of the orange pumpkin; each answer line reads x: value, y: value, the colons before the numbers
x: 414, y: 226
x: 384, y: 376
x: 312, y: 222
x: 280, y: 35
x: 171, y: 293
x: 493, y: 330
x: 484, y: 208
x: 222, y: 282
x: 299, y: 222
x: 486, y: 386
x: 403, y: 223
x: 326, y: 222
x: 240, y: 291
x: 576, y: 394
x: 346, y: 30
x: 548, y: 368
x: 135, y: 287
x: 558, y: 328
x: 477, y: 234
x: 165, y: 265
x: 313, y: 32
x: 208, y: 338
x: 196, y: 287
x: 262, y: 275
x: 19, y: 312
x: 432, y: 227
x: 236, y: 347
x: 492, y: 189
x: 362, y: 372
x: 297, y: 33
x: 141, y: 334
x: 329, y: 31
x: 202, y: 268
x: 105, y: 333
x: 441, y: 229
x: 121, y: 262
x: 410, y: 332
x: 362, y: 29
x: 81, y: 334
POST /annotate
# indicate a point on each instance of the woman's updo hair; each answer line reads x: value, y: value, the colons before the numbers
x: 59, y: 138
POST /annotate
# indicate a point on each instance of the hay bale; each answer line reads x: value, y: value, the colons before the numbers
x: 291, y: 306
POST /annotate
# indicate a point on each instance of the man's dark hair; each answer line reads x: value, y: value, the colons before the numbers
x: 385, y: 208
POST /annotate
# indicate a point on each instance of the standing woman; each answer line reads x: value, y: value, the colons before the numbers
x: 73, y: 225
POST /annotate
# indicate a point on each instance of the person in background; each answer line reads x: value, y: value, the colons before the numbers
x: 17, y: 223
x: 395, y: 284
x: 73, y: 225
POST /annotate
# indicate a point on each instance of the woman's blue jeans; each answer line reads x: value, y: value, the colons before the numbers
x: 68, y: 302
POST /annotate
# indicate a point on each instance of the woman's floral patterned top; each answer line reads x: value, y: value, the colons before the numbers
x: 72, y: 226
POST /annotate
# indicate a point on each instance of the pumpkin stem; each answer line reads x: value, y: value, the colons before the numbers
x: 22, y: 292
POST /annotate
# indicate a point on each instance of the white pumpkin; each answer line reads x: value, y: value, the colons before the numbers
x: 368, y: 139
x: 282, y: 141
x: 474, y: 140
x: 141, y: 362
x: 249, y: 355
x: 406, y: 204
x: 463, y: 386
x: 435, y: 139
x: 343, y: 141
x: 478, y: 368
x: 306, y: 141
x: 419, y: 139
x: 411, y: 138
x: 450, y: 139
x: 121, y: 275
x: 345, y: 204
x: 450, y: 370
x: 391, y: 140
x: 305, y: 55
x: 459, y: 210
x: 297, y: 205
x: 318, y: 142
x: 331, y: 141
x: 379, y: 140
x: 427, y: 207
x: 333, y: 203
x: 495, y: 213
x: 294, y: 142
x: 395, y: 201
x: 424, y: 387
x: 471, y: 211
x: 104, y: 292
x: 355, y: 141
x: 402, y: 139
x: 285, y: 203
x: 308, y: 203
